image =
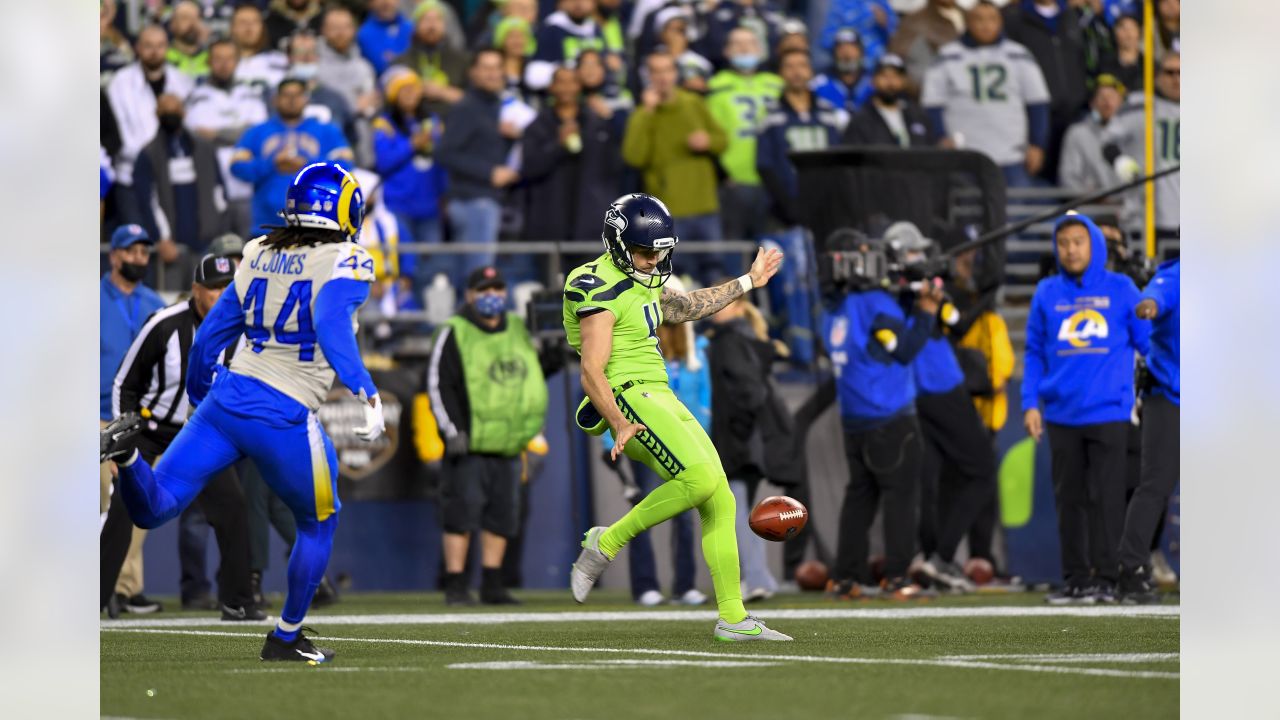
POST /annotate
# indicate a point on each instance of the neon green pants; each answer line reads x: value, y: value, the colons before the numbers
x: 676, y: 447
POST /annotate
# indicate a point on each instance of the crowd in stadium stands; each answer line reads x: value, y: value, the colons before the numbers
x: 484, y: 120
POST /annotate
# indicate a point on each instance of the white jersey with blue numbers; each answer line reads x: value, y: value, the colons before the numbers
x: 984, y: 92
x: 1128, y: 130
x: 277, y: 290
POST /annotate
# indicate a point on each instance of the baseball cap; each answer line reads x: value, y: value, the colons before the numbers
x: 485, y: 278
x: 891, y: 61
x: 214, y: 271
x: 226, y: 245
x: 1111, y: 81
x: 129, y: 235
x: 848, y: 35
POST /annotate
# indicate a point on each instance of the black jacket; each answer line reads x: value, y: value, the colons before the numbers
x: 472, y: 146
x: 567, y: 190
x: 153, y: 373
x: 447, y: 381
x: 1060, y: 53
x: 867, y: 127
x: 750, y: 426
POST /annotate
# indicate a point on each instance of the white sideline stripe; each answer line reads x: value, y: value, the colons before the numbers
x: 606, y: 664
x: 1146, y: 611
x: 300, y: 667
x: 1059, y: 658
x: 940, y: 662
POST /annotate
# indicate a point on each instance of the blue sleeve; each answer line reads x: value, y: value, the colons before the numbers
x: 1139, y: 329
x: 891, y: 21
x: 337, y: 302
x: 223, y: 326
x: 391, y: 150
x: 1163, y: 289
x: 1033, y: 364
x: 937, y: 121
x: 911, y: 335
x: 1038, y: 124
x: 245, y: 163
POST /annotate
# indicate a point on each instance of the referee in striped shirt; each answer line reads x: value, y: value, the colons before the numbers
x: 152, y: 381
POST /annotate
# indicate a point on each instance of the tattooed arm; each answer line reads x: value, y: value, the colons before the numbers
x: 678, y: 307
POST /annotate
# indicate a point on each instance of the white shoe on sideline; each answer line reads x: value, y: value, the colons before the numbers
x: 650, y: 598
x: 692, y: 597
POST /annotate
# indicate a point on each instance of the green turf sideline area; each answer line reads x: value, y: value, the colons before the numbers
x: 950, y: 658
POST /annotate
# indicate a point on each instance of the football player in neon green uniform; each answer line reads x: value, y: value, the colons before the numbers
x: 612, y: 309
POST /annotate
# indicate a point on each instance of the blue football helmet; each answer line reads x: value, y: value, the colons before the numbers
x: 639, y: 220
x: 323, y: 195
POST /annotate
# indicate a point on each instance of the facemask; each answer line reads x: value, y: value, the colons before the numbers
x: 888, y: 98
x: 305, y: 72
x: 171, y: 122
x: 746, y: 63
x: 848, y: 67
x: 490, y: 305
x: 133, y: 272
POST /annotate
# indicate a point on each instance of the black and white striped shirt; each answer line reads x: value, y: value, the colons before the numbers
x: 153, y: 374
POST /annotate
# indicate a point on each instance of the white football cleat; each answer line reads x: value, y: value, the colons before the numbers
x: 749, y: 629
x: 590, y: 565
x: 650, y: 598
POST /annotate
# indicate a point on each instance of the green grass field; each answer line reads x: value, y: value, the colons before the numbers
x: 404, y: 655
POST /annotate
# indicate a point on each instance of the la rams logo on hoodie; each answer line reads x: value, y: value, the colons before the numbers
x: 1082, y: 326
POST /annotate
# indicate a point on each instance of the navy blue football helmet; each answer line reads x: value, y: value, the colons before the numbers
x: 323, y: 195
x: 639, y: 220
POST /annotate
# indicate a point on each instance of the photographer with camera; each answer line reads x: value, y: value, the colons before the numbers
x: 958, y: 468
x: 872, y: 342
x: 1082, y: 333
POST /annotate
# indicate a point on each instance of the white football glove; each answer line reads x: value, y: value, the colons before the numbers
x: 374, y: 423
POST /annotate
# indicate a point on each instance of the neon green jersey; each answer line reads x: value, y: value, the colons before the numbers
x: 739, y: 103
x: 600, y: 285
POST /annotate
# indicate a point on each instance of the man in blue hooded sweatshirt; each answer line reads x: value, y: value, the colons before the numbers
x: 1082, y: 333
x: 1161, y: 413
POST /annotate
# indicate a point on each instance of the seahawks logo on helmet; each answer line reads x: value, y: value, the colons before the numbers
x: 615, y: 219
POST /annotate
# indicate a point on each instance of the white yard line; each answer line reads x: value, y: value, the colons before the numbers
x: 906, y: 613
x: 937, y: 662
x: 1071, y: 658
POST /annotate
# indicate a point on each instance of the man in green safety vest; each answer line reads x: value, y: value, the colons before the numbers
x: 488, y: 392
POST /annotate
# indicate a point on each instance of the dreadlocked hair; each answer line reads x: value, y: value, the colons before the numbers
x: 283, y: 238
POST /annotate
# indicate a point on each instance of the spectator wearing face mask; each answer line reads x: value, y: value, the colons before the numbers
x: 846, y: 86
x: 673, y: 27
x: 739, y: 99
x: 133, y: 91
x: 178, y: 190
x: 1083, y: 168
x: 324, y: 103
x: 342, y: 66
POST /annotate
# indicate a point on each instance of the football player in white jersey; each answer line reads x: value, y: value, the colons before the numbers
x: 294, y: 298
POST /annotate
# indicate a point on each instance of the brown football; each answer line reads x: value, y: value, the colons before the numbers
x: 811, y: 575
x: 778, y: 518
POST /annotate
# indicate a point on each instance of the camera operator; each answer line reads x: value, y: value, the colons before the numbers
x: 1081, y: 337
x: 1161, y: 413
x: 954, y: 436
x: 872, y: 342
